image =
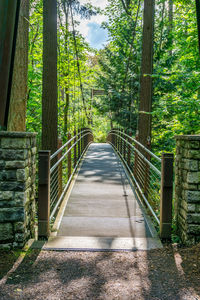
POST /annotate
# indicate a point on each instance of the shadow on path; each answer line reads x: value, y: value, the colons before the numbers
x: 167, y: 273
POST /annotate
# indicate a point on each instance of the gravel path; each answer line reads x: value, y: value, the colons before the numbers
x: 168, y: 273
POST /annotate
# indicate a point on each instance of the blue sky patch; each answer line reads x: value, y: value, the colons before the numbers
x: 97, y: 36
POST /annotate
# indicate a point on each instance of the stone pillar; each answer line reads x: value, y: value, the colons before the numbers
x: 17, y: 188
x: 187, y: 188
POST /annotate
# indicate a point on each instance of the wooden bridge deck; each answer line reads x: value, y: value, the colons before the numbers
x: 103, y: 211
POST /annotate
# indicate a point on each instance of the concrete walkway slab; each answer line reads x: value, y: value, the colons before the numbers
x: 101, y: 244
x: 102, y: 207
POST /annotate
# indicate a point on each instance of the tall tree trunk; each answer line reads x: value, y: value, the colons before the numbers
x: 198, y: 19
x: 67, y: 99
x: 18, y: 97
x: 162, y: 29
x: 66, y: 110
x: 144, y: 122
x: 170, y: 28
x: 49, y: 94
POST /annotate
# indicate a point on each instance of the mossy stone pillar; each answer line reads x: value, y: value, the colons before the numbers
x: 17, y: 188
x: 187, y: 188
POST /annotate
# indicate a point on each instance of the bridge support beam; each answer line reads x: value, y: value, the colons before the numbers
x: 44, y: 194
x: 166, y: 195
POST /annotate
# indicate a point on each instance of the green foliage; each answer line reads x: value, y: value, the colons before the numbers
x: 71, y: 112
x: 34, y: 106
x: 119, y: 65
x: 176, y: 100
x: 176, y: 77
x: 116, y: 70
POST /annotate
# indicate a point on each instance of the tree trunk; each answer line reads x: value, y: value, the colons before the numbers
x: 49, y: 94
x: 144, y: 122
x: 170, y: 26
x: 67, y: 99
x: 18, y: 99
x: 66, y: 110
x: 198, y: 19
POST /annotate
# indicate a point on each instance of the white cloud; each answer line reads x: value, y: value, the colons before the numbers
x: 96, y: 35
x: 86, y: 26
x: 100, y: 3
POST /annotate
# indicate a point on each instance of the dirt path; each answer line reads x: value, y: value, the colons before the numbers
x: 169, y: 273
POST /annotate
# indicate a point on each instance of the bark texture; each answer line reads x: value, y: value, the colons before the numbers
x: 170, y: 26
x: 18, y: 99
x: 49, y: 95
x: 198, y: 20
x: 144, y: 122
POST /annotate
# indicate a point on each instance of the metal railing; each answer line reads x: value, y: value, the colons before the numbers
x: 152, y: 176
x: 55, y: 174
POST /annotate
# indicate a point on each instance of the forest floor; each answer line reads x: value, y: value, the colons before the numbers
x: 169, y: 273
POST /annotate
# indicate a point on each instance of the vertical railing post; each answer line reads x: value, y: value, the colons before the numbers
x: 122, y: 142
x: 125, y: 145
x: 75, y: 149
x: 118, y: 140
x: 44, y: 194
x: 86, y: 138
x: 129, y: 152
x: 82, y: 141
x: 120, y: 148
x: 59, y: 169
x: 114, y: 139
x: 166, y: 195
x: 92, y: 137
x: 79, y: 145
x: 135, y: 171
x: 146, y: 175
x: 69, y: 158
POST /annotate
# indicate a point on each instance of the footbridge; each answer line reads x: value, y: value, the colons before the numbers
x: 104, y: 196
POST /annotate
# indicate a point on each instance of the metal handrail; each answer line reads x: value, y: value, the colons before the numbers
x: 61, y: 159
x: 66, y: 144
x: 138, y: 186
x: 148, y: 180
x: 141, y: 155
x: 67, y: 185
x: 53, y: 183
x: 78, y: 137
x: 138, y: 143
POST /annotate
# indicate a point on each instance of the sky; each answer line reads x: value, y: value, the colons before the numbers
x: 91, y: 29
